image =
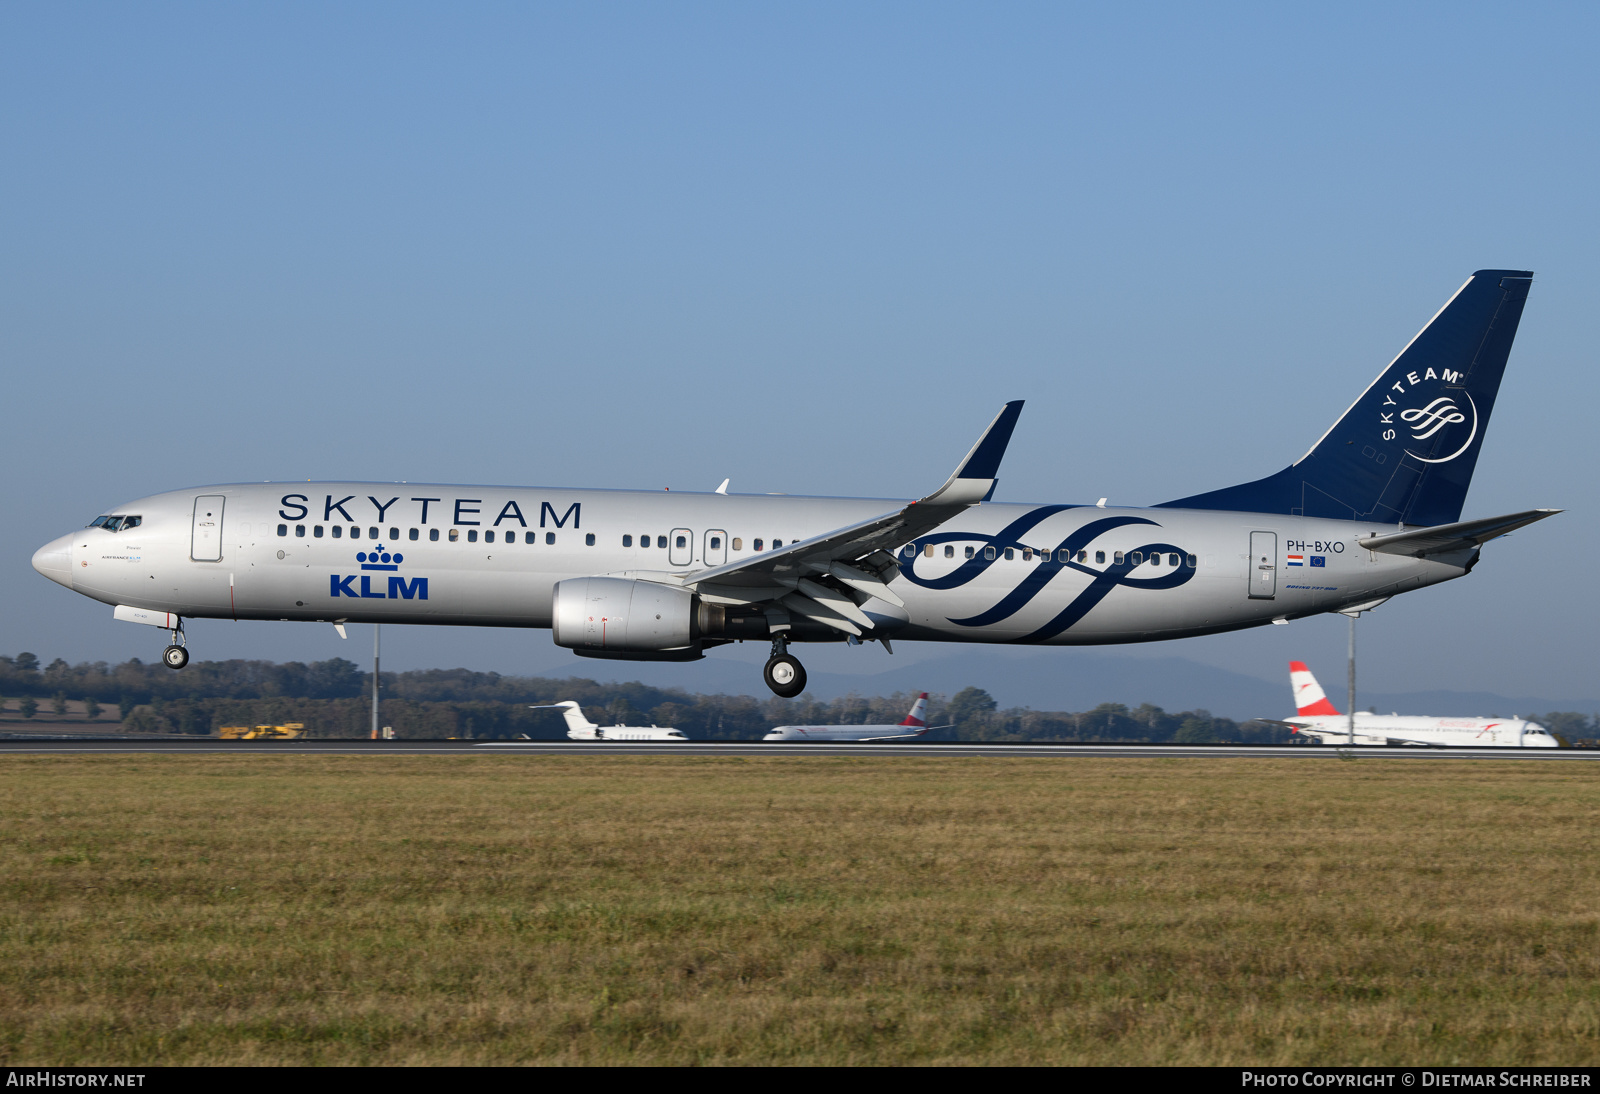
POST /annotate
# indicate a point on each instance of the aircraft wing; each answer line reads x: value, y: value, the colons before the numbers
x: 1281, y: 724
x: 903, y: 736
x: 1420, y: 542
x: 828, y: 577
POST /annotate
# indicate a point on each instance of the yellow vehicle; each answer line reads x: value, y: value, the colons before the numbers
x: 286, y: 732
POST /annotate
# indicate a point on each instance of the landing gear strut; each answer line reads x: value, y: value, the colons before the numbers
x: 177, y: 654
x: 785, y: 675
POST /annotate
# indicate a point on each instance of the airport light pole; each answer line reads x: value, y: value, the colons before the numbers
x: 376, y: 634
x: 1350, y: 702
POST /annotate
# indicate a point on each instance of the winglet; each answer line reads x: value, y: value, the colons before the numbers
x: 974, y: 480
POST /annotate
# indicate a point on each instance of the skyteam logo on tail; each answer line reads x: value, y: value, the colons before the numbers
x: 399, y: 587
x: 1434, y: 410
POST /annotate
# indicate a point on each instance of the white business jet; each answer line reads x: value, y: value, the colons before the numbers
x: 1373, y: 509
x: 580, y: 728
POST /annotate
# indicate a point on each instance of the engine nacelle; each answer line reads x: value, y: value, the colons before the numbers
x: 622, y: 614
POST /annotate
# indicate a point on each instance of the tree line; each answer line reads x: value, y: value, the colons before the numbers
x: 331, y: 698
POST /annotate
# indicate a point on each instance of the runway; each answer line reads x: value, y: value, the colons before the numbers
x: 753, y: 749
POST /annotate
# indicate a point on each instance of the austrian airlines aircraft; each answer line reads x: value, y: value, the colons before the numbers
x: 1371, y: 510
x: 914, y: 725
x: 1316, y: 717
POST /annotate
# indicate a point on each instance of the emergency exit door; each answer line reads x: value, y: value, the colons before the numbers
x: 205, y: 541
x: 1263, y: 565
x: 680, y: 552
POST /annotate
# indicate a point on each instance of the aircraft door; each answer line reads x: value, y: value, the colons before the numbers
x: 680, y: 551
x: 205, y: 540
x: 716, y: 550
x: 1263, y: 565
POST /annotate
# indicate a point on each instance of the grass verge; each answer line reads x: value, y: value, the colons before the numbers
x: 441, y: 910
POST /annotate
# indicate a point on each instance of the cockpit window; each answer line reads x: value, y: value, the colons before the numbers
x: 116, y: 523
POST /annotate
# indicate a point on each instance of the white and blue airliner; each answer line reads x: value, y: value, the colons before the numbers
x: 1373, y: 509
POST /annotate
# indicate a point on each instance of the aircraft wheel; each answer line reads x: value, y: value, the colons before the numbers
x: 786, y: 676
x: 175, y: 656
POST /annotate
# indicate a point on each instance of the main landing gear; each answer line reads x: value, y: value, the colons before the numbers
x: 177, y: 654
x: 784, y: 674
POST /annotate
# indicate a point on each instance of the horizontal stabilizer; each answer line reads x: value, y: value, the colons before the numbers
x: 1442, y: 538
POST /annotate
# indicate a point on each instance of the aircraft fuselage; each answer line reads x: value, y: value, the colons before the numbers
x: 489, y: 556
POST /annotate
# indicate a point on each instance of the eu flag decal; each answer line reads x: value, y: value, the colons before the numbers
x: 1319, y: 560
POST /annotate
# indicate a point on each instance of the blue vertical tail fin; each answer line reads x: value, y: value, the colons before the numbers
x: 1405, y: 450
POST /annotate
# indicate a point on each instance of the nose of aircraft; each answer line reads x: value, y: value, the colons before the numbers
x: 54, y: 560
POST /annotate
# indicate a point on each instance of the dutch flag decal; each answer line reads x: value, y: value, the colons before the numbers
x: 1297, y: 560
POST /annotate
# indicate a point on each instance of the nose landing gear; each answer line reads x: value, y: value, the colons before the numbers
x: 784, y: 674
x: 176, y: 655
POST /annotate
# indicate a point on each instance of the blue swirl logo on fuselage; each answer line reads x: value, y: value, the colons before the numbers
x: 1054, y: 560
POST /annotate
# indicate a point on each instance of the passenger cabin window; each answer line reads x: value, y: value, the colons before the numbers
x: 337, y: 530
x: 681, y: 541
x: 1137, y: 557
x: 661, y: 541
x: 433, y: 535
x: 756, y: 544
x: 1083, y: 556
x: 372, y: 533
x: 283, y: 529
x: 394, y: 531
x: 1155, y: 558
x: 927, y: 550
x: 488, y: 537
x: 1192, y: 561
x: 738, y: 543
x: 355, y: 533
x: 527, y: 537
x: 316, y: 533
x: 300, y: 531
x: 1119, y: 558
x: 949, y: 550
x: 1027, y: 554
x: 970, y: 551
x: 455, y: 534
x: 1010, y: 554
x: 414, y: 535
x: 988, y: 553
x: 776, y: 544
x: 472, y: 535
x: 1172, y: 560
x: 716, y: 543
x: 1100, y: 556
x: 588, y: 539
x: 550, y: 539
x: 627, y: 541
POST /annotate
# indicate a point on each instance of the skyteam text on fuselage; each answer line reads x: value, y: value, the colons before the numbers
x: 1373, y: 509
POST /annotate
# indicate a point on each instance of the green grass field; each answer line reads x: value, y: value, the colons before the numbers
x: 433, y: 910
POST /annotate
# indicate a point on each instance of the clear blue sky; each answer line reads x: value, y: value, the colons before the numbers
x: 812, y: 247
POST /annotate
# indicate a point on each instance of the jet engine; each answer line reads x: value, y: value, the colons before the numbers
x: 624, y: 614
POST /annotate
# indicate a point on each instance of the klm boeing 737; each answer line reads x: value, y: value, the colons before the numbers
x: 1371, y: 510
